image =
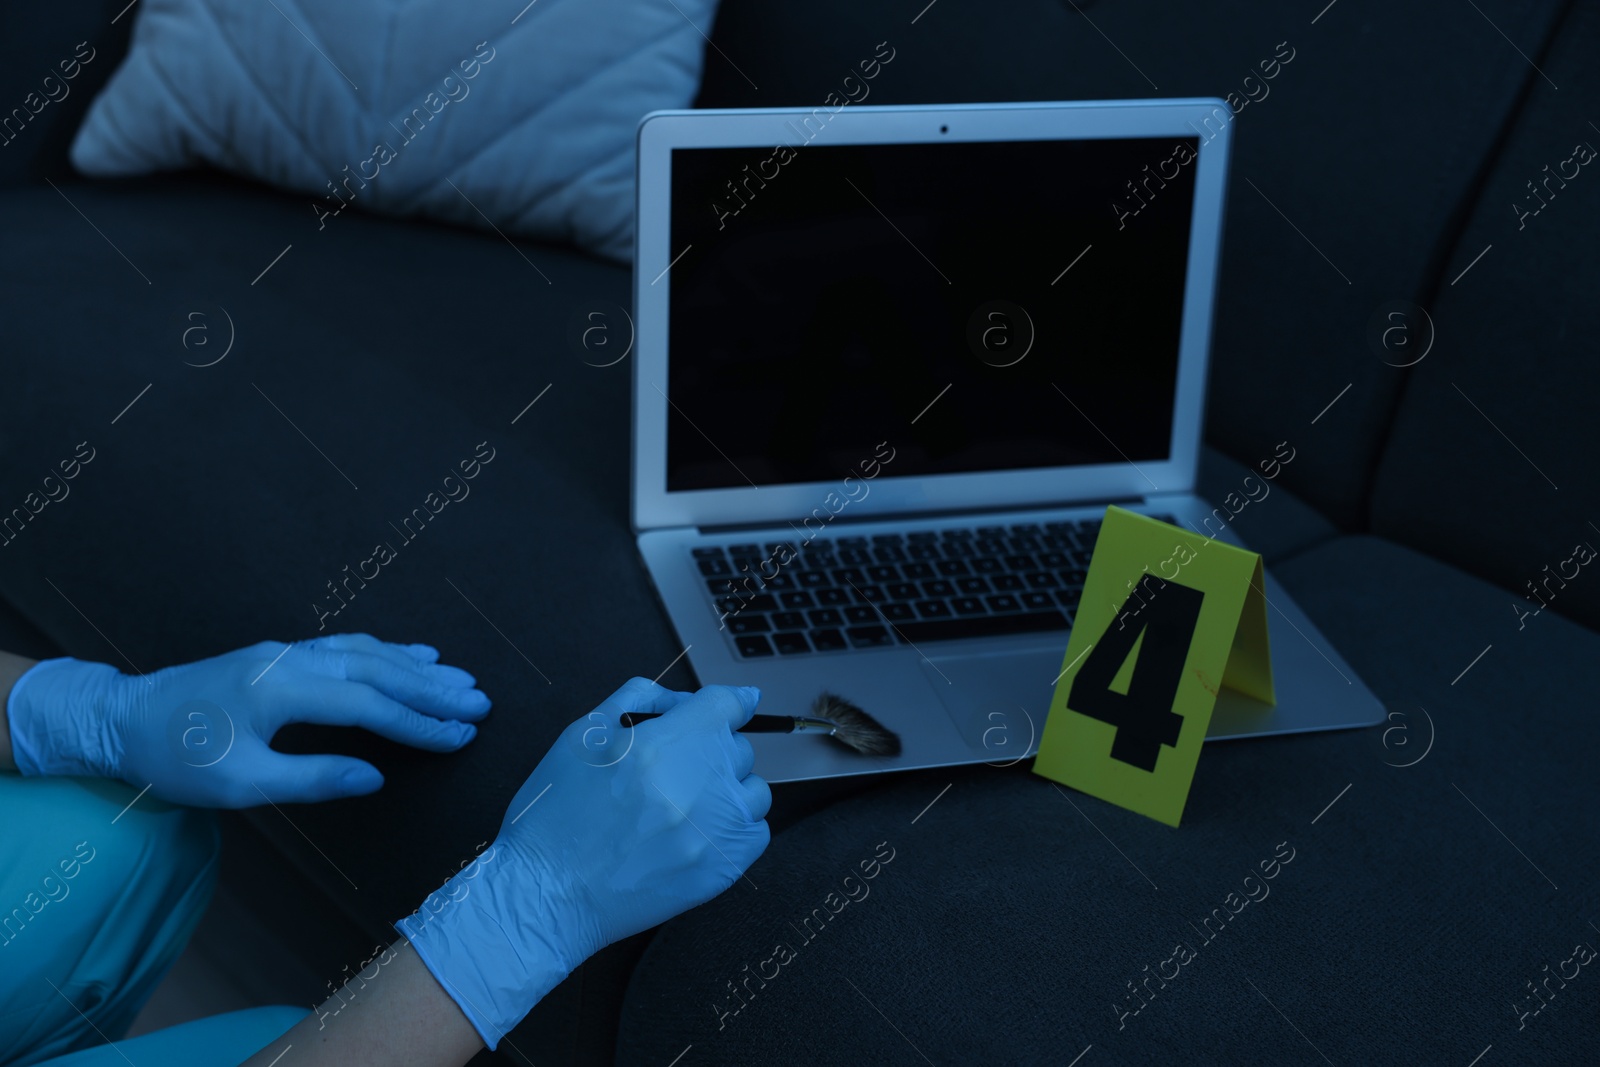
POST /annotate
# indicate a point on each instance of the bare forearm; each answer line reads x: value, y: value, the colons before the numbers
x: 12, y: 667
x: 401, y: 1017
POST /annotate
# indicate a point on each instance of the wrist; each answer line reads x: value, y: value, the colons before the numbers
x: 62, y: 717
x: 12, y: 668
x: 495, y: 938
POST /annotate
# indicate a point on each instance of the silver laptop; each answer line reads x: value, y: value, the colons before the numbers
x: 892, y: 365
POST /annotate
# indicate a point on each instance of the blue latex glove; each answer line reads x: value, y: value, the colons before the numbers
x: 616, y: 831
x: 198, y: 733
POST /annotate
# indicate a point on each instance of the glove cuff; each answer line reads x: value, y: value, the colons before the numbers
x: 60, y: 720
x: 491, y: 937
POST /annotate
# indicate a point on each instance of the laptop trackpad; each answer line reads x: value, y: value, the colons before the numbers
x: 997, y: 701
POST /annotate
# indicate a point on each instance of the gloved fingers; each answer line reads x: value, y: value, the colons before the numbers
x: 757, y: 796
x: 285, y: 779
x: 409, y: 657
x: 601, y: 740
x: 353, y: 643
x: 642, y: 696
x: 719, y: 706
x: 422, y: 691
x: 349, y: 703
x: 744, y: 755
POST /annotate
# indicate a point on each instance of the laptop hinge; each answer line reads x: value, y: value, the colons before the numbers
x: 843, y: 519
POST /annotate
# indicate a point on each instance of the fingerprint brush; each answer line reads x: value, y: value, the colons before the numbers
x: 832, y: 716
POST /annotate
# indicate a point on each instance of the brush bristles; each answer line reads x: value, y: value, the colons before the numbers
x: 855, y: 728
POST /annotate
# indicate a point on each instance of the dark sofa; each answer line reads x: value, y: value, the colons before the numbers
x: 1440, y: 865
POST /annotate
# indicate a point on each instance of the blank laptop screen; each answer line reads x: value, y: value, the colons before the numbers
x: 978, y: 305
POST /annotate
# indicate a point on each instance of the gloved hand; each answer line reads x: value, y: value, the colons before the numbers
x: 198, y: 733
x: 617, y: 830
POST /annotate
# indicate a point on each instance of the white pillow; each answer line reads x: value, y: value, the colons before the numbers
x: 529, y: 109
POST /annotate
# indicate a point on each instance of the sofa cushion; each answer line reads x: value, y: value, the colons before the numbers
x: 1491, y: 463
x: 1415, y: 903
x: 513, y: 115
x: 1316, y: 161
x: 1276, y: 530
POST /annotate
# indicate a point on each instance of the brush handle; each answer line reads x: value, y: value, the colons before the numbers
x: 758, y: 724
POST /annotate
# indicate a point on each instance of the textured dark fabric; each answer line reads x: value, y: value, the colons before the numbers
x: 1370, y: 142
x: 1492, y: 461
x: 19, y: 635
x: 34, y: 43
x: 1014, y: 914
x: 1278, y: 524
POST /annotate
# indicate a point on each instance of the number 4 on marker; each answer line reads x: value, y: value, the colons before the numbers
x: 1143, y: 715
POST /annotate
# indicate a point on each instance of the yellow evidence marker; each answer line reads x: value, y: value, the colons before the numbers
x: 1168, y: 617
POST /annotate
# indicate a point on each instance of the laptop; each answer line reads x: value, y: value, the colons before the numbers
x: 892, y: 365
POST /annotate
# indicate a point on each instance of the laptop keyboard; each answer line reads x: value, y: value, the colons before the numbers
x: 841, y: 593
